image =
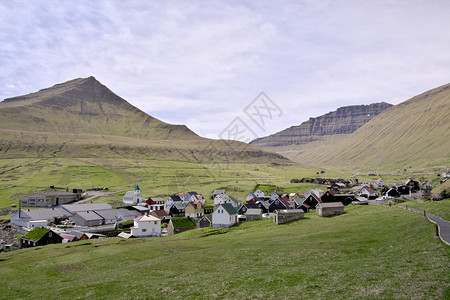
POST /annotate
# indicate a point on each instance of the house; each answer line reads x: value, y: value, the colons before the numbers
x: 426, y: 189
x: 133, y: 197
x: 403, y: 189
x: 155, y: 203
x: 39, y: 237
x: 177, y: 209
x: 177, y: 225
x: 79, y: 235
x: 111, y: 216
x: 26, y: 217
x: 161, y: 214
x: 225, y: 215
x: 414, y: 185
x: 143, y: 210
x: 87, y: 218
x: 287, y: 215
x: 393, y: 192
x: 299, y: 204
x: 274, y: 196
x: 49, y: 199
x: 311, y: 201
x: 146, y: 226
x: 218, y: 192
x: 328, y: 196
x: 193, y: 196
x: 258, y: 194
x: 243, y: 209
x: 376, y: 184
x: 68, y: 237
x: 368, y: 193
x: 171, y: 200
x: 277, y: 205
x: 194, y: 209
x: 253, y: 214
x: 345, y: 199
x: 205, y: 221
x: 73, y: 208
x: 329, y: 209
x: 224, y: 198
x: 317, y: 192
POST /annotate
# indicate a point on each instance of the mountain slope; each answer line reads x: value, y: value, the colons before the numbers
x: 344, y: 120
x: 83, y: 118
x: 415, y: 132
x: 84, y: 105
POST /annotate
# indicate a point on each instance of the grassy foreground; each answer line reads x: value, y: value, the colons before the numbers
x: 369, y: 252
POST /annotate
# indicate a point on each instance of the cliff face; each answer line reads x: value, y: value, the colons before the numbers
x: 344, y: 120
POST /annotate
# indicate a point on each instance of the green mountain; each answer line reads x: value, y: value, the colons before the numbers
x: 84, y: 105
x: 413, y: 133
x: 83, y: 118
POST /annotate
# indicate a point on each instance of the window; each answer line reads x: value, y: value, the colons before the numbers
x: 144, y: 230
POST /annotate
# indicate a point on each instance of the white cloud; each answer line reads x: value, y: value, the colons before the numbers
x: 200, y: 63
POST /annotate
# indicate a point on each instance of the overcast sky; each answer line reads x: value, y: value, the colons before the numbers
x: 201, y: 63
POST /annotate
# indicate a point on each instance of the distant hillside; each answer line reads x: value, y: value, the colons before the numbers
x: 83, y: 118
x: 344, y: 120
x: 84, y: 105
x: 413, y: 133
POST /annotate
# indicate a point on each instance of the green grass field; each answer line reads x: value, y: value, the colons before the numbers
x: 155, y: 177
x: 438, y: 208
x: 367, y: 253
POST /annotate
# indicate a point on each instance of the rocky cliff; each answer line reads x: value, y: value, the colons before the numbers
x: 344, y: 120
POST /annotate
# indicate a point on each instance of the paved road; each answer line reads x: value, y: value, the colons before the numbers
x: 444, y: 226
x: 95, y: 194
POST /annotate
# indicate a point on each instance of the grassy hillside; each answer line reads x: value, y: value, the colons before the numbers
x: 413, y: 133
x: 367, y: 253
x: 83, y: 106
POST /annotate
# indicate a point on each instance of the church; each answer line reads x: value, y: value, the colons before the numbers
x: 133, y: 197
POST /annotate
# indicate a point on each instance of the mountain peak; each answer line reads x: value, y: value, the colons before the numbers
x: 84, y: 105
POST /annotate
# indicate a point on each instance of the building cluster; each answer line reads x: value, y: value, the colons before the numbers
x: 153, y: 216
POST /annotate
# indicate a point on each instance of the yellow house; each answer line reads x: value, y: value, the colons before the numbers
x: 194, y: 210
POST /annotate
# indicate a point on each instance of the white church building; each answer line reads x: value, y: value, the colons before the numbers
x: 133, y: 197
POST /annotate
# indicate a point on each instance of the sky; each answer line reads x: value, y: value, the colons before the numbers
x: 210, y: 65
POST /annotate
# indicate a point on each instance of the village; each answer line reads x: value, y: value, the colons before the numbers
x: 59, y: 217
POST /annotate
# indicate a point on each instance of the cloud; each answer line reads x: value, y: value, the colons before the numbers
x: 200, y: 63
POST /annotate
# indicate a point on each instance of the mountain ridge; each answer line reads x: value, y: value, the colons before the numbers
x: 344, y: 120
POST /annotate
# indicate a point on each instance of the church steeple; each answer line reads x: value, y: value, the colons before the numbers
x: 137, y: 194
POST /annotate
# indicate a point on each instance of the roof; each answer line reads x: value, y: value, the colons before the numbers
x: 137, y: 188
x: 73, y: 208
x: 44, y: 214
x: 289, y: 211
x: 208, y: 217
x: 229, y: 208
x: 129, y: 194
x: 368, y: 189
x: 175, y: 198
x: 160, y: 213
x: 299, y: 201
x: 67, y: 236
x: 183, y: 222
x: 216, y: 192
x: 88, y: 216
x: 36, y: 234
x: 54, y: 194
x: 140, y: 208
x: 180, y: 206
x: 253, y: 211
x: 146, y: 218
x: 77, y: 233
x: 330, y: 205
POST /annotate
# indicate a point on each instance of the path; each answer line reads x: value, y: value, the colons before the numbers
x: 444, y: 226
x: 94, y: 194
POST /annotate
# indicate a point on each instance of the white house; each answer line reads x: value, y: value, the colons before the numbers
x: 146, y: 226
x: 193, y: 196
x: 224, y: 216
x: 133, y: 197
x: 368, y: 193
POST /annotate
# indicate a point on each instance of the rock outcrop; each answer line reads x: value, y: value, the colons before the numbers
x: 344, y: 120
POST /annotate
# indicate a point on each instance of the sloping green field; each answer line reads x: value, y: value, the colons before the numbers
x: 367, y: 253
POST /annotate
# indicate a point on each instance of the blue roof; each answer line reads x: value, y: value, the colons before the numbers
x: 137, y: 188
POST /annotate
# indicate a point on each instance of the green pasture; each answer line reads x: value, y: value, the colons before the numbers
x: 370, y: 252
